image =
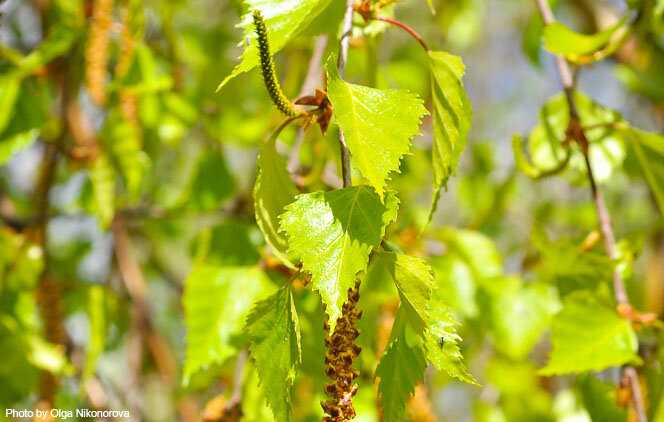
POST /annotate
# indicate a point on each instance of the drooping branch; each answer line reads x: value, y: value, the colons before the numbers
x: 577, y: 133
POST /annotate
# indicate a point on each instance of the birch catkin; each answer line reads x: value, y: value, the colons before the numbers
x: 267, y: 69
x: 96, y: 52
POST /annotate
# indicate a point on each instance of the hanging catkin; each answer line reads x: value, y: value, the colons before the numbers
x: 96, y: 52
x: 268, y: 70
x: 127, y: 46
x: 339, y: 357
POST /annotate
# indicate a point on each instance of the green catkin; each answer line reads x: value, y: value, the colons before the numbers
x: 267, y: 68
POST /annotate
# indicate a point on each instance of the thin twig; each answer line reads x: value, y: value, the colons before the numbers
x: 406, y: 28
x: 577, y: 132
x: 48, y: 291
x: 341, y: 66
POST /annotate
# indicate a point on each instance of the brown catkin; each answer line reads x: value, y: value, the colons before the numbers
x: 96, y: 52
x: 128, y: 100
x: 339, y: 357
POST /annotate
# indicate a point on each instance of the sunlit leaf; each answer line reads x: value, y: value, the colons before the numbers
x: 274, y: 335
x: 607, y: 149
x: 102, y: 177
x: 452, y: 114
x: 333, y: 233
x: 273, y: 191
x: 400, y: 369
x: 97, y: 330
x: 589, y: 336
x: 559, y: 39
x: 9, y: 89
x: 519, y: 314
x: 216, y: 302
x: 285, y: 19
x: 377, y: 125
x: 649, y: 150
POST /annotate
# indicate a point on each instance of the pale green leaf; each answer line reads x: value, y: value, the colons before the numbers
x: 414, y: 281
x: 285, y: 19
x: 216, y: 303
x: 254, y: 404
x: 559, y: 39
x: 377, y: 125
x: 518, y: 314
x: 333, y: 233
x: 96, y: 330
x: 47, y: 356
x: 274, y: 190
x: 16, y: 143
x: 452, y: 114
x: 274, y: 335
x: 476, y: 249
x: 68, y: 17
x: 456, y: 284
x: 600, y: 400
x: 427, y: 315
x: 432, y: 8
x: 400, y: 369
x: 123, y: 140
x: 9, y: 89
x: 102, y: 177
x: 589, y: 336
x: 607, y: 149
x: 442, y: 343
x: 649, y: 150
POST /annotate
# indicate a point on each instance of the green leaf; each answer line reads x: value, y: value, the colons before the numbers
x: 456, y: 284
x: 68, y: 18
x: 285, y: 19
x: 96, y: 330
x: 273, y: 191
x: 377, y: 124
x: 559, y: 39
x: 649, y: 150
x: 400, y: 369
x: 563, y: 264
x: 9, y: 89
x: 600, y: 400
x: 414, y: 281
x: 16, y: 143
x: 607, y: 149
x: 333, y: 233
x: 589, y: 336
x: 518, y: 314
x: 274, y: 335
x: 442, y: 343
x: 427, y: 315
x: 452, y: 114
x: 123, y: 141
x: 216, y: 303
x: 476, y: 249
x: 212, y: 183
x: 102, y: 177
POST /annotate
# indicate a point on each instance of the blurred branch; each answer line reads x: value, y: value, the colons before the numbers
x: 576, y: 132
x: 132, y: 276
x: 48, y: 292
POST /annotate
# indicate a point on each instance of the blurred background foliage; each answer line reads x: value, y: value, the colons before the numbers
x: 125, y: 197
